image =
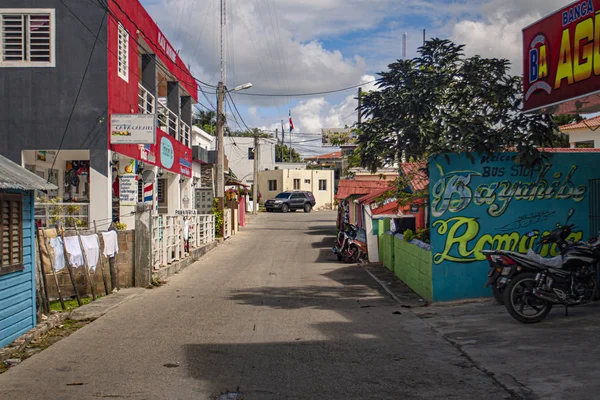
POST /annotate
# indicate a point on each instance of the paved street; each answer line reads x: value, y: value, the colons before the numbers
x: 271, y: 314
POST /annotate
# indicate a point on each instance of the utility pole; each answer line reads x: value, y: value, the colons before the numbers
x: 221, y: 115
x: 291, y: 160
x: 255, y: 186
x: 220, y: 147
x: 359, y: 106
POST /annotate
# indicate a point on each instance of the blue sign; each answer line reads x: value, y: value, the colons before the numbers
x: 167, y: 154
x: 495, y: 203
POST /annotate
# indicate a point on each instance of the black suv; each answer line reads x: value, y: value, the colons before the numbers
x: 291, y: 201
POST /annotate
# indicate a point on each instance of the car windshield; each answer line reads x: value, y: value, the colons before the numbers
x: 283, y: 195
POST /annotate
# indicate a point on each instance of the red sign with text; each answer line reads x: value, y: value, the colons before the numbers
x: 166, y: 153
x: 561, y: 61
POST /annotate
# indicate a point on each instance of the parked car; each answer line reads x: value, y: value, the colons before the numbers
x: 291, y: 201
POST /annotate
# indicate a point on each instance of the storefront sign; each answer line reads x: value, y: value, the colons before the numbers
x: 186, y: 212
x: 167, y: 154
x: 132, y: 129
x: 561, y: 61
x: 128, y: 190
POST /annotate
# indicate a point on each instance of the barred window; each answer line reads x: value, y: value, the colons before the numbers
x: 27, y: 38
x: 11, y: 233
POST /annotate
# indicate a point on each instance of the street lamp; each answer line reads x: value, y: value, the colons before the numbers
x: 242, y: 87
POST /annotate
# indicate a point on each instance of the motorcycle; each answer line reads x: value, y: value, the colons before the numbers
x: 351, y: 245
x: 530, y: 296
x: 503, y: 268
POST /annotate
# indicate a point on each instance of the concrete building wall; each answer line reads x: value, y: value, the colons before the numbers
x: 308, y: 180
x: 37, y: 101
x: 584, y: 135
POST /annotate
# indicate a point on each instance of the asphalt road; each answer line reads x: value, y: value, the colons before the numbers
x: 270, y: 314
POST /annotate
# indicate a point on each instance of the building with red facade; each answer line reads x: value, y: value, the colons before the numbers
x: 70, y: 70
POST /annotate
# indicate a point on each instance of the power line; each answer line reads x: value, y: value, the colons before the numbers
x: 62, y: 140
x: 236, y: 109
x: 307, y: 94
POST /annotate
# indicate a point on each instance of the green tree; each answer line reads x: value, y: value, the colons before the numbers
x: 282, y: 154
x: 207, y: 121
x: 442, y: 102
x: 252, y: 132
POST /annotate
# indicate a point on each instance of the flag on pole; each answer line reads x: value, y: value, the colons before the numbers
x: 291, y: 122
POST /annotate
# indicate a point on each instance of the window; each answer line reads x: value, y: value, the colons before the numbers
x: 272, y: 186
x: 11, y: 233
x: 160, y: 189
x: 27, y: 37
x: 296, y: 184
x: 250, y: 153
x: 322, y: 184
x: 298, y: 196
x: 588, y: 144
x: 123, y: 54
x: 307, y: 181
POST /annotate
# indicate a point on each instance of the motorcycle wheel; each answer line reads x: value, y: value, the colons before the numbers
x: 352, y: 254
x: 339, y: 257
x: 498, y: 293
x: 520, y: 302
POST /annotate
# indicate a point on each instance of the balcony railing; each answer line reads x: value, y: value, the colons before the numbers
x: 168, y: 121
x: 146, y: 101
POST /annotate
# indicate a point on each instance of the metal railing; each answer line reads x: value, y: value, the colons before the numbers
x: 49, y: 214
x: 168, y: 121
x: 227, y: 222
x: 168, y: 244
x: 185, y: 132
x: 146, y: 101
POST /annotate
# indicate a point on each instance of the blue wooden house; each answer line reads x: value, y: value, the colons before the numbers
x: 17, y: 255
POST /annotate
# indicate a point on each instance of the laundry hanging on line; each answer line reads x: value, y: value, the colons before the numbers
x: 59, y: 253
x: 91, y: 246
x: 111, y: 243
x: 74, y: 250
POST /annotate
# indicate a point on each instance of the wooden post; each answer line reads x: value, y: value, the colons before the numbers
x: 101, y: 263
x: 42, y: 279
x: 69, y: 267
x: 86, y: 264
x: 62, y: 302
x: 114, y: 273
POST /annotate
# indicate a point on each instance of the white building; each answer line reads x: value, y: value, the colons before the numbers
x: 240, y: 153
x: 319, y: 182
x: 584, y: 134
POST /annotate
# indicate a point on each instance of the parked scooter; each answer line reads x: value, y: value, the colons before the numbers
x: 503, y: 267
x: 351, y: 245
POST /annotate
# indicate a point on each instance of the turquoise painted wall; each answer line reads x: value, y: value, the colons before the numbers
x: 494, y: 203
x: 17, y: 289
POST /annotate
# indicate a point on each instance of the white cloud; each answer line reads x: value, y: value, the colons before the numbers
x: 498, y: 32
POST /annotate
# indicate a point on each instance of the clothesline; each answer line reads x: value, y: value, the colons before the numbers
x: 76, y: 246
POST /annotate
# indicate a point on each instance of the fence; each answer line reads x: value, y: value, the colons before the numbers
x: 227, y: 222
x: 168, y: 244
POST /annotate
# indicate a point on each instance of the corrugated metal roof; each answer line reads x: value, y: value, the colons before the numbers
x: 13, y: 176
x: 348, y: 187
x: 334, y: 155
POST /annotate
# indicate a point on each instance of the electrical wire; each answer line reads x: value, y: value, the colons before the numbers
x: 306, y: 94
x: 62, y: 140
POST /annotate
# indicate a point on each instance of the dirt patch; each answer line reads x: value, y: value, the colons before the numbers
x: 53, y: 336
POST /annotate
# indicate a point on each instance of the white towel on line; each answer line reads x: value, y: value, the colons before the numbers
x: 74, y: 250
x: 91, y: 246
x: 111, y: 243
x: 59, y: 253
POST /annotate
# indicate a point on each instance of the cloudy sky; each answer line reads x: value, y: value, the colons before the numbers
x: 301, y: 46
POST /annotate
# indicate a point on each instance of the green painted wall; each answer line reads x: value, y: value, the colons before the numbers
x: 413, y: 266
x: 410, y: 263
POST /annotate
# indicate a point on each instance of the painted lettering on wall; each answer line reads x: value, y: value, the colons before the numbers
x: 164, y: 44
x: 495, y: 203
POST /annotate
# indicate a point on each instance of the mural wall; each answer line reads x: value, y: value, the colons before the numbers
x: 495, y: 203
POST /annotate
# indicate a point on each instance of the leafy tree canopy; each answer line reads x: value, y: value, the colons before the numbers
x: 443, y: 102
x: 282, y: 154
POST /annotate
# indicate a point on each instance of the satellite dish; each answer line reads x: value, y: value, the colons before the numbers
x: 148, y: 176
